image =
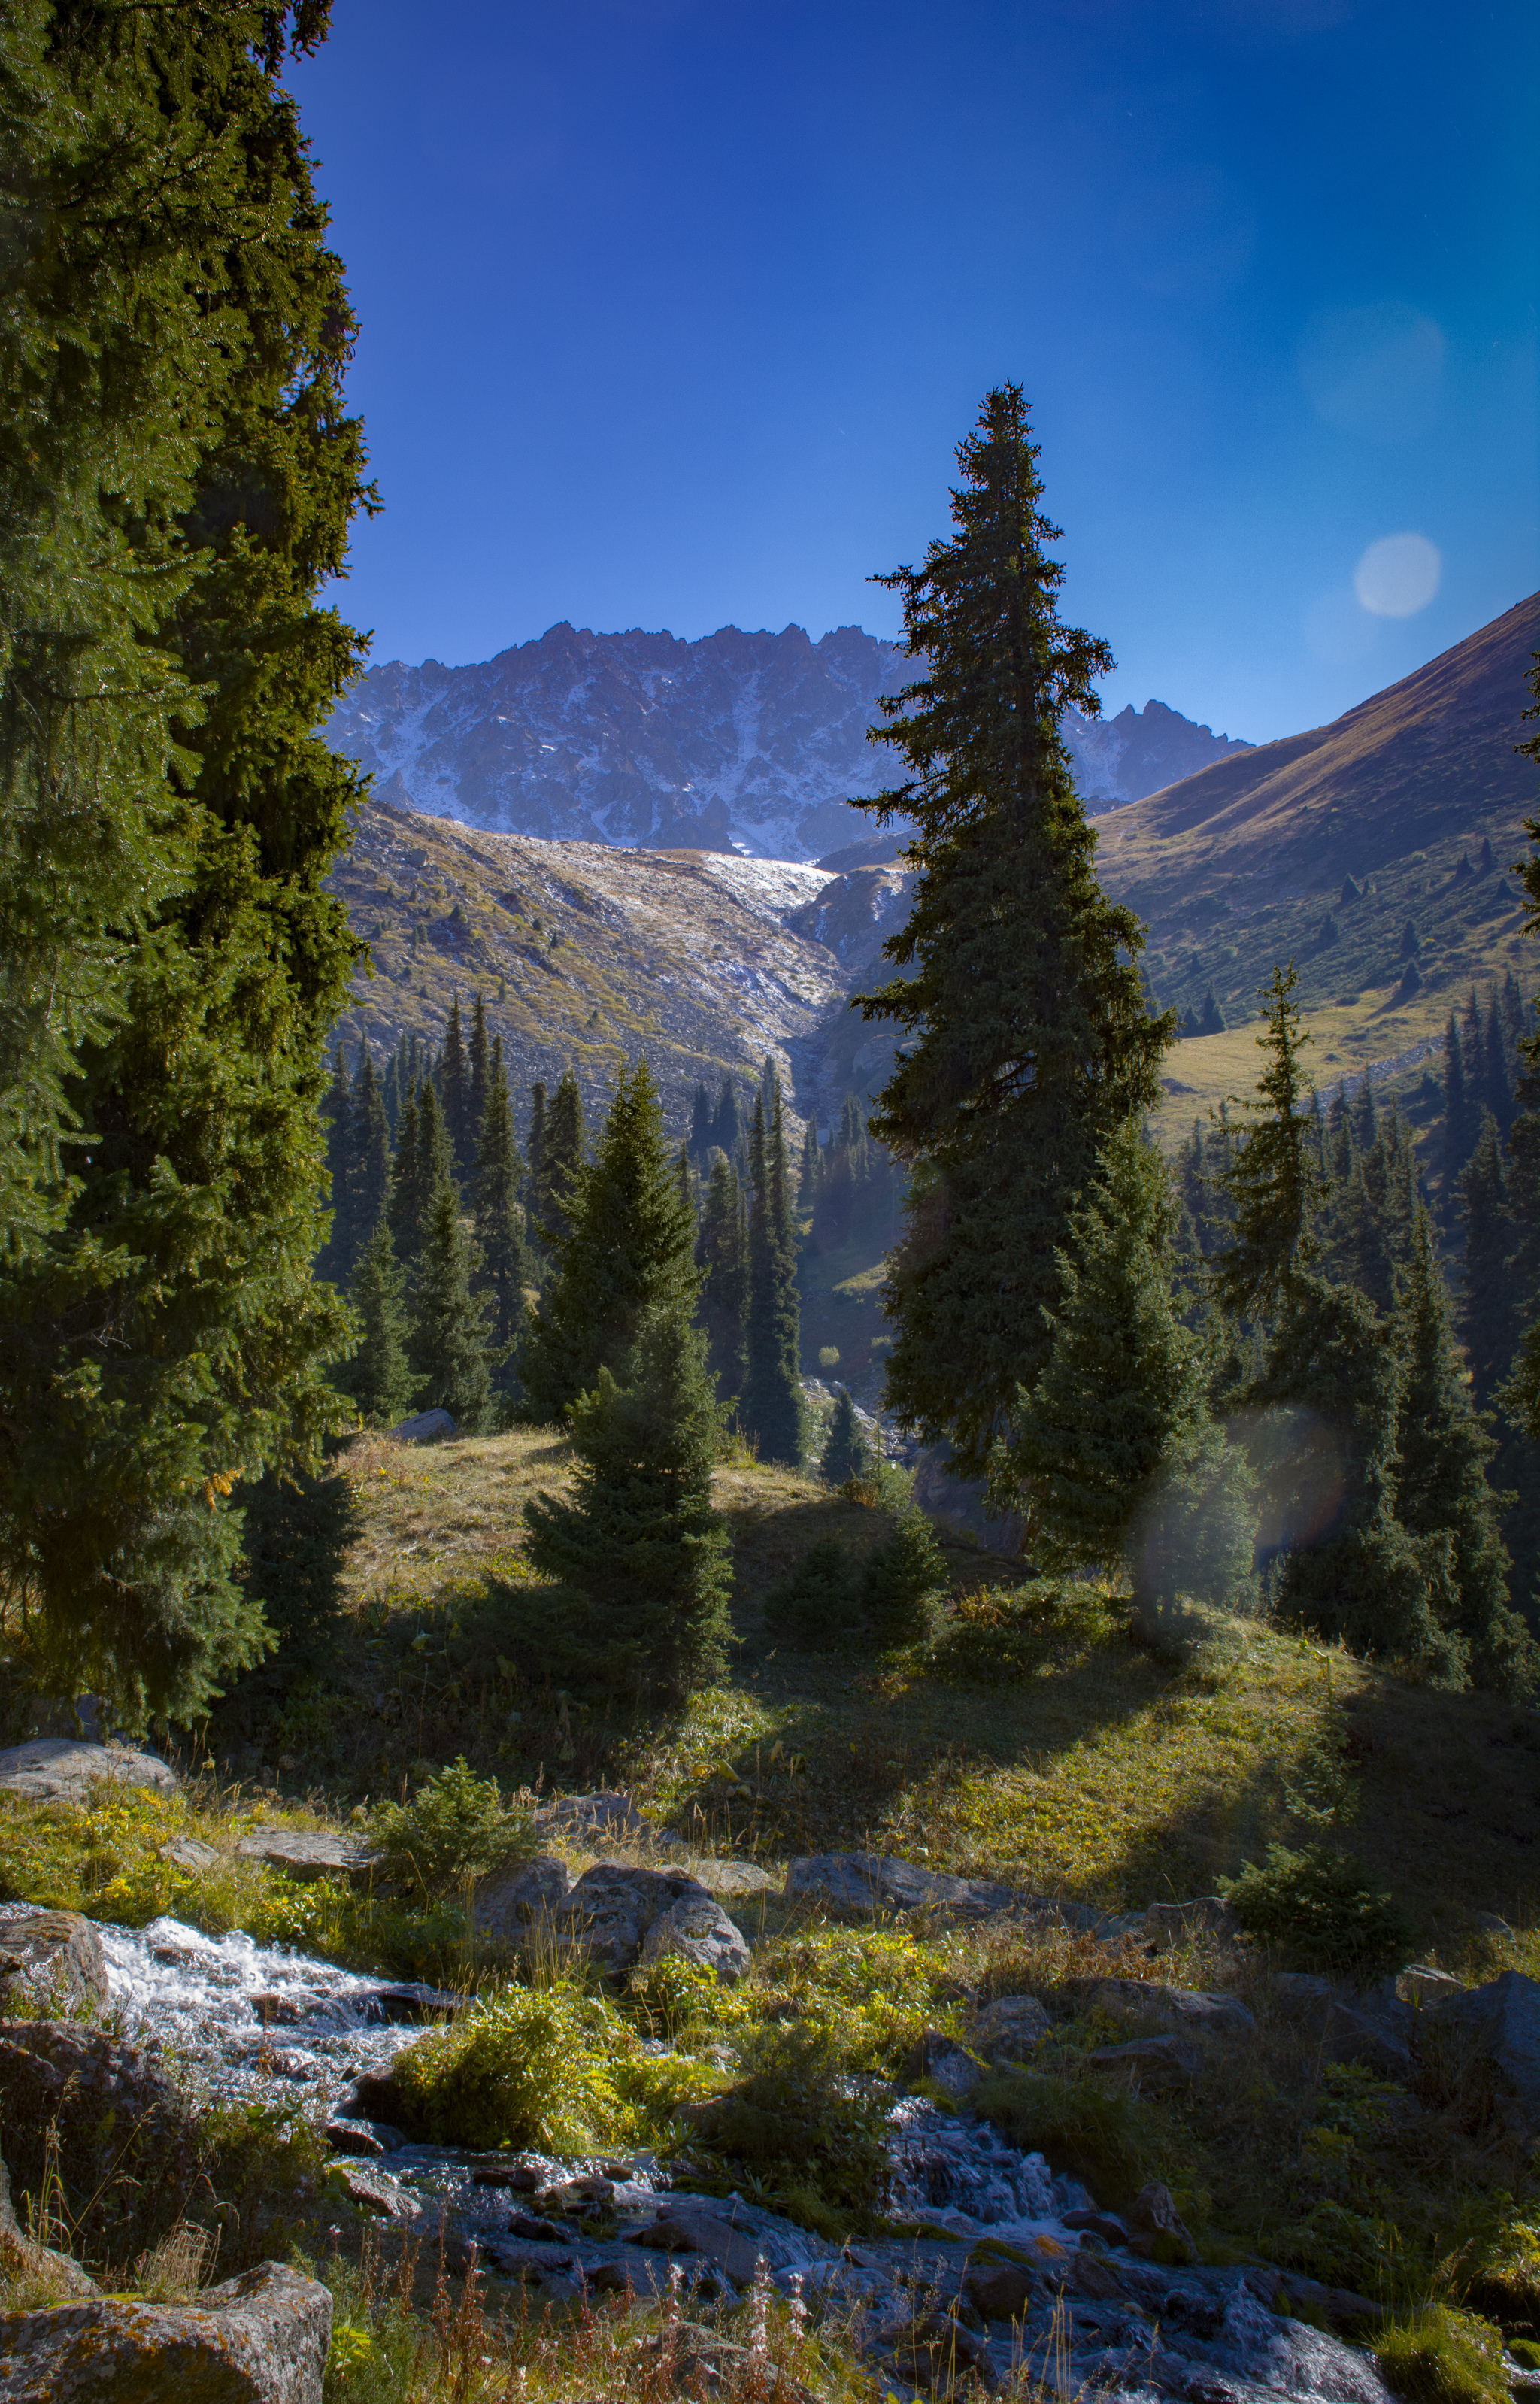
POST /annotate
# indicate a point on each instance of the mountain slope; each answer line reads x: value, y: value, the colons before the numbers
x: 1375, y: 853
x: 749, y: 742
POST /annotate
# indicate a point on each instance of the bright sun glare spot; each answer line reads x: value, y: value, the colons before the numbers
x: 1399, y: 575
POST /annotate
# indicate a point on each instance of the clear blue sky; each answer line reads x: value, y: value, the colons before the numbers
x: 673, y: 315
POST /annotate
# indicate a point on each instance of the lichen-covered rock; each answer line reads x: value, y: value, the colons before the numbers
x: 38, y: 2268
x: 871, y: 1886
x: 54, y: 1768
x: 608, y: 1913
x: 308, y: 1854
x: 101, y: 2114
x: 1159, y: 2065
x: 260, y: 2338
x: 591, y: 1815
x: 426, y: 1427
x: 1011, y: 2029
x: 1173, y: 2010
x: 50, y: 1961
x: 1155, y: 2228
x: 1503, y: 2020
x: 511, y: 1902
x: 697, y: 1929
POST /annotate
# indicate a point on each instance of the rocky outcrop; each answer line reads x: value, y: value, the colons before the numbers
x: 697, y: 1929
x: 57, y: 1769
x: 41, y: 2269
x: 577, y: 1816
x: 511, y: 1902
x: 1501, y: 2022
x: 426, y: 1427
x: 607, y: 1916
x: 1171, y: 2010
x: 101, y: 2114
x: 308, y: 1854
x: 1373, y: 2030
x: 870, y: 1886
x: 1011, y: 2029
x: 50, y: 1961
x: 260, y: 2338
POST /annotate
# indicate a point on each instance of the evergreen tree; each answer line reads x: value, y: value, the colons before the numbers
x: 499, y: 1223
x: 727, y: 1128
x: 369, y: 1169
x: 1026, y: 1039
x: 1118, y: 1417
x: 561, y: 1165
x: 844, y: 1454
x: 1459, y: 1123
x: 177, y: 474
x: 1273, y: 1184
x: 770, y: 1406
x: 808, y: 1179
x: 403, y: 1211
x: 700, y: 1123
x: 1497, y: 1093
x: 455, y: 1094
x: 630, y: 1248
x: 1442, y: 1482
x: 377, y: 1377
x: 335, y: 1257
x: 1488, y: 1321
x: 448, y: 1345
x: 721, y: 1252
x: 534, y: 1192
x: 905, y: 1582
x: 422, y: 1165
x: 639, y: 1539
x: 480, y: 1071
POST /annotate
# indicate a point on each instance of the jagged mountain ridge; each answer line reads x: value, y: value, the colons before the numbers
x: 745, y: 742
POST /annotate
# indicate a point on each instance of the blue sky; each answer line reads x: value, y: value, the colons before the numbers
x: 673, y: 315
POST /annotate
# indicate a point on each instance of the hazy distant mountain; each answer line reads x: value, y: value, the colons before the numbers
x: 738, y: 742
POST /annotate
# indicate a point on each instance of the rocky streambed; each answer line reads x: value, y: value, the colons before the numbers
x: 1005, y: 2264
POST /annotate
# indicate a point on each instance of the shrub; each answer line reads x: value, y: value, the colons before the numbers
x: 551, y: 2068
x: 1439, y: 2357
x: 797, y: 2134
x: 905, y: 1581
x: 815, y: 1605
x: 1113, y: 2139
x: 455, y: 1828
x: 1321, y: 1908
x: 845, y: 1451
x: 1014, y: 1631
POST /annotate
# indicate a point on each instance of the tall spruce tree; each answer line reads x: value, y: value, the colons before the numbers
x: 1459, y: 1116
x: 1488, y: 1319
x: 455, y: 1095
x: 561, y: 1166
x: 1442, y: 1484
x: 721, y: 1252
x: 844, y: 1454
x: 535, y: 1155
x: 639, y: 1539
x: 422, y: 1165
x: 1273, y: 1184
x: 770, y: 1405
x: 700, y: 1123
x: 630, y: 1248
x: 378, y: 1377
x: 335, y: 1257
x: 447, y: 1347
x: 1113, y: 1456
x: 369, y: 1169
x: 1523, y: 1395
x: 179, y: 476
x: 498, y: 1219
x: 1025, y: 1035
x: 727, y: 1127
x: 479, y: 1073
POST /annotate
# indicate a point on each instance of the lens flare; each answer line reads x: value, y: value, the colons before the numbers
x: 1398, y: 575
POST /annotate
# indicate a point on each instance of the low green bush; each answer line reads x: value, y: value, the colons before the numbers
x: 1441, y: 2356
x: 815, y: 1605
x: 455, y: 1829
x: 796, y: 2132
x: 1017, y: 1631
x: 1321, y: 1907
x: 1110, y: 2137
x: 550, y: 2067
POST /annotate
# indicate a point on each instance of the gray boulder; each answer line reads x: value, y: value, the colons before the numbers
x: 728, y: 1878
x: 1011, y: 2029
x: 1503, y: 2020
x: 50, y: 1961
x: 697, y: 1929
x: 1166, y: 1924
x: 511, y: 1902
x: 591, y: 1815
x: 99, y: 2115
x: 1184, y: 2011
x: 40, y: 2267
x: 308, y: 1854
x: 372, y: 2191
x: 192, y: 1854
x: 944, y: 2064
x: 1158, y: 2065
x: 426, y: 1427
x: 873, y: 1886
x: 369, y: 2139
x: 1422, y: 1985
x: 606, y: 1916
x: 59, y: 1769
x: 1348, y: 2026
x: 260, y: 2338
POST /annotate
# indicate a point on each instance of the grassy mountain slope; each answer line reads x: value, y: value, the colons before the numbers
x: 1249, y: 862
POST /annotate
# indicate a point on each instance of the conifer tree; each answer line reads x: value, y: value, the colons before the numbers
x: 1026, y: 1038
x: 630, y: 1248
x: 905, y: 1582
x: 561, y: 1165
x: 1117, y: 1421
x: 807, y: 1180
x: 403, y: 1209
x: 334, y: 1259
x: 369, y: 1169
x: 638, y: 1541
x: 727, y: 1128
x: 535, y: 1153
x: 498, y: 1219
x: 422, y: 1165
x: 1273, y: 1184
x: 480, y: 1076
x: 1442, y: 1484
x: 455, y: 1095
x: 844, y: 1454
x: 721, y: 1252
x: 447, y: 1351
x: 1489, y: 1322
x: 378, y: 1377
x: 1459, y: 1127
x: 770, y: 1406
x: 178, y: 473
x: 700, y: 1123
